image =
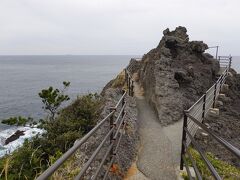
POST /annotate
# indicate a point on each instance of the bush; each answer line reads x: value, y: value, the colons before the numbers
x: 61, y: 132
x: 18, y: 121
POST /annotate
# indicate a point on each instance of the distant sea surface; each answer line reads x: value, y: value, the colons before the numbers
x: 22, y: 78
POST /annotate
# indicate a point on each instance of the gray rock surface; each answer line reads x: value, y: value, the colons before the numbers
x: 176, y: 73
x: 226, y: 125
x: 127, y: 149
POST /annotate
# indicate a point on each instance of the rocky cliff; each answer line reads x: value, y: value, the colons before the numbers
x: 176, y: 73
x: 227, y: 124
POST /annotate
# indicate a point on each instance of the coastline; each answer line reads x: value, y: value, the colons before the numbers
x: 12, y: 146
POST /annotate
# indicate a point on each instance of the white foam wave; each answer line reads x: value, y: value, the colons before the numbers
x: 12, y: 146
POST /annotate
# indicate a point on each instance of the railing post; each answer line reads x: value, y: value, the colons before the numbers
x: 132, y: 86
x: 214, y: 97
x: 204, y: 106
x: 129, y: 84
x: 126, y: 75
x: 217, y: 51
x: 221, y: 82
x: 184, y: 138
x: 112, y: 133
x: 123, y: 102
x: 230, y: 61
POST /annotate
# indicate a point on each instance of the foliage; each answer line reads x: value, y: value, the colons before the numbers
x: 53, y: 99
x: 225, y: 170
x: 73, y: 121
x: 61, y: 132
x: 18, y: 121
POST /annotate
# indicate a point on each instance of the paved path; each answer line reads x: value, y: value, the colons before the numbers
x: 155, y: 158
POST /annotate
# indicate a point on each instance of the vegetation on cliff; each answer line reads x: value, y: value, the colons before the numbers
x: 17, y: 121
x: 62, y: 130
x: 225, y: 170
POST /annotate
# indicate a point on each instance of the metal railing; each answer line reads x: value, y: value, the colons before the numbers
x: 193, y: 120
x: 128, y: 76
x: 216, y: 47
x: 130, y: 82
x: 113, y: 135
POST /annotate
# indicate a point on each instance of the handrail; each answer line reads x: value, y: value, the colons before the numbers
x: 208, y: 163
x: 110, y: 134
x: 229, y: 146
x: 72, y: 150
x: 192, y: 122
x: 130, y: 82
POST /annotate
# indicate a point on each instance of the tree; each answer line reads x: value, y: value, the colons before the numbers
x: 53, y: 99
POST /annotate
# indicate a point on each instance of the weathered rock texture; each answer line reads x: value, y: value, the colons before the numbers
x: 227, y: 124
x: 176, y: 73
x: 127, y: 149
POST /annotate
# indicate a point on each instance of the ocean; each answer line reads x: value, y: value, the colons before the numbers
x: 22, y: 78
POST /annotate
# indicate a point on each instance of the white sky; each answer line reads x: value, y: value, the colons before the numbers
x: 113, y: 26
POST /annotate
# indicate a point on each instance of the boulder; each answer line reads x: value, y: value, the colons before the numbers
x: 14, y: 137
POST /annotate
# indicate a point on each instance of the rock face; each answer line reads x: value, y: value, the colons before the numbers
x: 227, y: 124
x: 176, y: 73
x: 127, y: 147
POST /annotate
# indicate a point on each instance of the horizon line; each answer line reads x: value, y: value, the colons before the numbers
x: 70, y: 55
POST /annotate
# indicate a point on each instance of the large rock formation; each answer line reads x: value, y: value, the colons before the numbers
x: 176, y: 73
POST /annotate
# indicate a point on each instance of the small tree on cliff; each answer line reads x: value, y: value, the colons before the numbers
x: 53, y: 99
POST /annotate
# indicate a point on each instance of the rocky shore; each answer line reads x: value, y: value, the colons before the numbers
x: 14, y: 137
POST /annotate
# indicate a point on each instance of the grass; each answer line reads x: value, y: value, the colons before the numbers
x: 225, y: 170
x: 119, y: 81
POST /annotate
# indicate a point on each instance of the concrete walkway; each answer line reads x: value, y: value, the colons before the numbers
x: 159, y: 153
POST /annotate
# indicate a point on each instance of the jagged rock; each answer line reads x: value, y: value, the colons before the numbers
x: 226, y: 125
x: 181, y: 77
x: 207, y: 55
x: 13, y: 137
x: 176, y: 73
x: 198, y: 46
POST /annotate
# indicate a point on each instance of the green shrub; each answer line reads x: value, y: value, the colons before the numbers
x: 225, y: 170
x: 18, y: 121
x: 61, y: 132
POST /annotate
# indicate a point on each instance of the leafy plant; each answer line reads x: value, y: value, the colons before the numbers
x: 53, y: 99
x: 18, y: 121
x: 75, y: 120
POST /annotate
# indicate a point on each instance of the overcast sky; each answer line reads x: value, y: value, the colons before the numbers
x: 113, y: 26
